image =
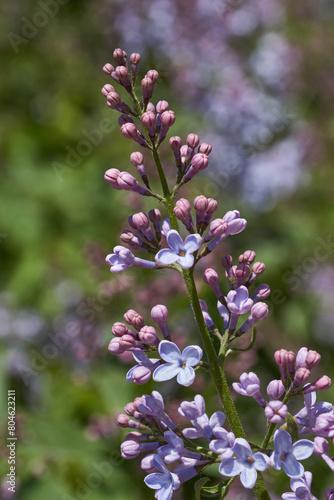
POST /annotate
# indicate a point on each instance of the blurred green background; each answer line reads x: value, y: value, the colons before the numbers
x: 59, y: 218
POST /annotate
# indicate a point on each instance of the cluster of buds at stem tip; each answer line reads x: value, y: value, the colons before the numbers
x: 297, y: 368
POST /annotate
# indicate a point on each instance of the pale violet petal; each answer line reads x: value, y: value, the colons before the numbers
x: 261, y: 461
x: 302, y: 449
x: 192, y: 242
x: 160, y: 465
x: 118, y: 268
x: 129, y: 374
x: 170, y: 352
x: 292, y: 468
x: 236, y: 226
x: 186, y: 261
x: 231, y: 467
x: 242, y: 449
x: 166, y: 493
x: 175, y: 241
x: 154, y: 480
x: 282, y: 441
x: 140, y: 357
x: 166, y: 257
x: 192, y: 433
x: 192, y: 355
x: 248, y: 477
x: 186, y: 376
x: 217, y: 419
x: 165, y: 372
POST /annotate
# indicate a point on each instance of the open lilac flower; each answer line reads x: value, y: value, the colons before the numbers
x: 177, y: 364
x: 203, y: 426
x: 142, y: 360
x: 223, y: 444
x: 276, y: 412
x: 312, y: 416
x: 246, y: 463
x: 175, y: 449
x: 123, y: 258
x: 179, y: 251
x: 238, y: 302
x: 301, y: 487
x: 250, y: 386
x: 153, y: 408
x: 286, y: 454
x: 165, y: 482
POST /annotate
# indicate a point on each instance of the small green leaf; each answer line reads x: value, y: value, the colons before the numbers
x: 215, y: 491
x: 292, y: 427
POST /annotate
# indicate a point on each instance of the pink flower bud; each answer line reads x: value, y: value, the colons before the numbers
x: 147, y: 86
x: 113, y: 99
x: 162, y: 106
x: 227, y: 261
x: 136, y: 158
x: 106, y: 89
x: 248, y: 256
x: 321, y: 384
x: 119, y: 329
x: 123, y: 420
x: 154, y: 215
x: 212, y: 206
x: 118, y: 55
x: 312, y: 359
x: 201, y: 203
x: 140, y: 220
x: 259, y: 311
x: 108, y: 68
x: 167, y: 120
x: 242, y: 271
x: 141, y: 375
x: 199, y: 162
x: 205, y: 148
x: 153, y: 74
x: 258, y: 268
x: 218, y: 227
x: 130, y: 449
x: 115, y: 347
x: 182, y: 209
x: 175, y: 143
x: 123, y: 75
x: 111, y: 176
x: 261, y: 292
x: 192, y: 141
x: 129, y: 409
x: 147, y: 464
x: 128, y: 182
x: 275, y: 389
x: 281, y: 359
x: 127, y: 341
x: 321, y: 446
x: 301, y: 377
x: 135, y: 58
x: 210, y: 277
x: 291, y: 360
x: 149, y: 120
x: 148, y: 335
x: 129, y: 130
x: 134, y: 319
x: 159, y: 313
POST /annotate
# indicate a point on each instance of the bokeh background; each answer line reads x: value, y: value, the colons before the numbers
x: 253, y: 78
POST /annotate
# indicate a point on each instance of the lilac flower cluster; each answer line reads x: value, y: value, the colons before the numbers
x: 153, y: 431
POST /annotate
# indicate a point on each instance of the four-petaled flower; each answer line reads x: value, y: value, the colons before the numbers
x: 123, y: 258
x: 179, y: 251
x: 177, y: 364
x: 301, y: 487
x: 143, y: 361
x: 246, y: 463
x: 165, y: 482
x: 286, y: 454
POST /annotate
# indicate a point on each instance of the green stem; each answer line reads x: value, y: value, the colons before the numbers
x: 161, y: 173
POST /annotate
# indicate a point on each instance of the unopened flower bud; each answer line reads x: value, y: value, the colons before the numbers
x: 147, y: 464
x: 201, y: 204
x: 248, y: 256
x: 313, y: 358
x: 118, y: 55
x: 106, y: 89
x: 161, y: 107
x: 291, y: 360
x: 258, y: 268
x: 111, y: 176
x: 124, y: 119
x: 149, y: 120
x: 167, y: 120
x: 124, y: 77
x: 199, y: 162
x: 129, y: 409
x: 129, y: 130
x: 135, y: 58
x: 127, y: 341
x: 301, y: 377
x: 175, y: 143
x: 128, y: 182
x: 148, y: 335
x: 205, y: 148
x: 123, y: 420
x: 153, y: 74
x: 147, y: 86
x: 321, y: 446
x: 136, y: 158
x: 192, y: 141
x: 227, y: 261
x: 159, y: 314
x: 113, y: 99
x: 134, y: 319
x: 119, y: 329
x: 108, y: 68
x: 141, y: 375
x: 275, y: 389
x: 211, y: 278
x: 321, y: 384
x: 262, y: 292
x: 114, y: 346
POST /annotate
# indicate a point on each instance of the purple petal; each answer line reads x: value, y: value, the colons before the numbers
x: 192, y: 242
x: 118, y: 268
x: 231, y: 215
x: 154, y: 480
x: 282, y: 441
x: 242, y: 449
x: 246, y: 306
x: 248, y: 477
x: 166, y: 493
x: 174, y: 240
x: 165, y: 372
x: 242, y: 295
x: 292, y: 468
x: 140, y: 357
x: 187, y: 261
x: 217, y: 419
x: 261, y: 461
x: 160, y: 465
x: 231, y: 467
x: 302, y: 449
x: 218, y: 445
x: 113, y: 259
x: 239, y: 388
x: 230, y: 297
x: 166, y: 257
x: 236, y: 226
x: 170, y: 352
x: 192, y: 355
x: 192, y: 433
x: 186, y: 376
